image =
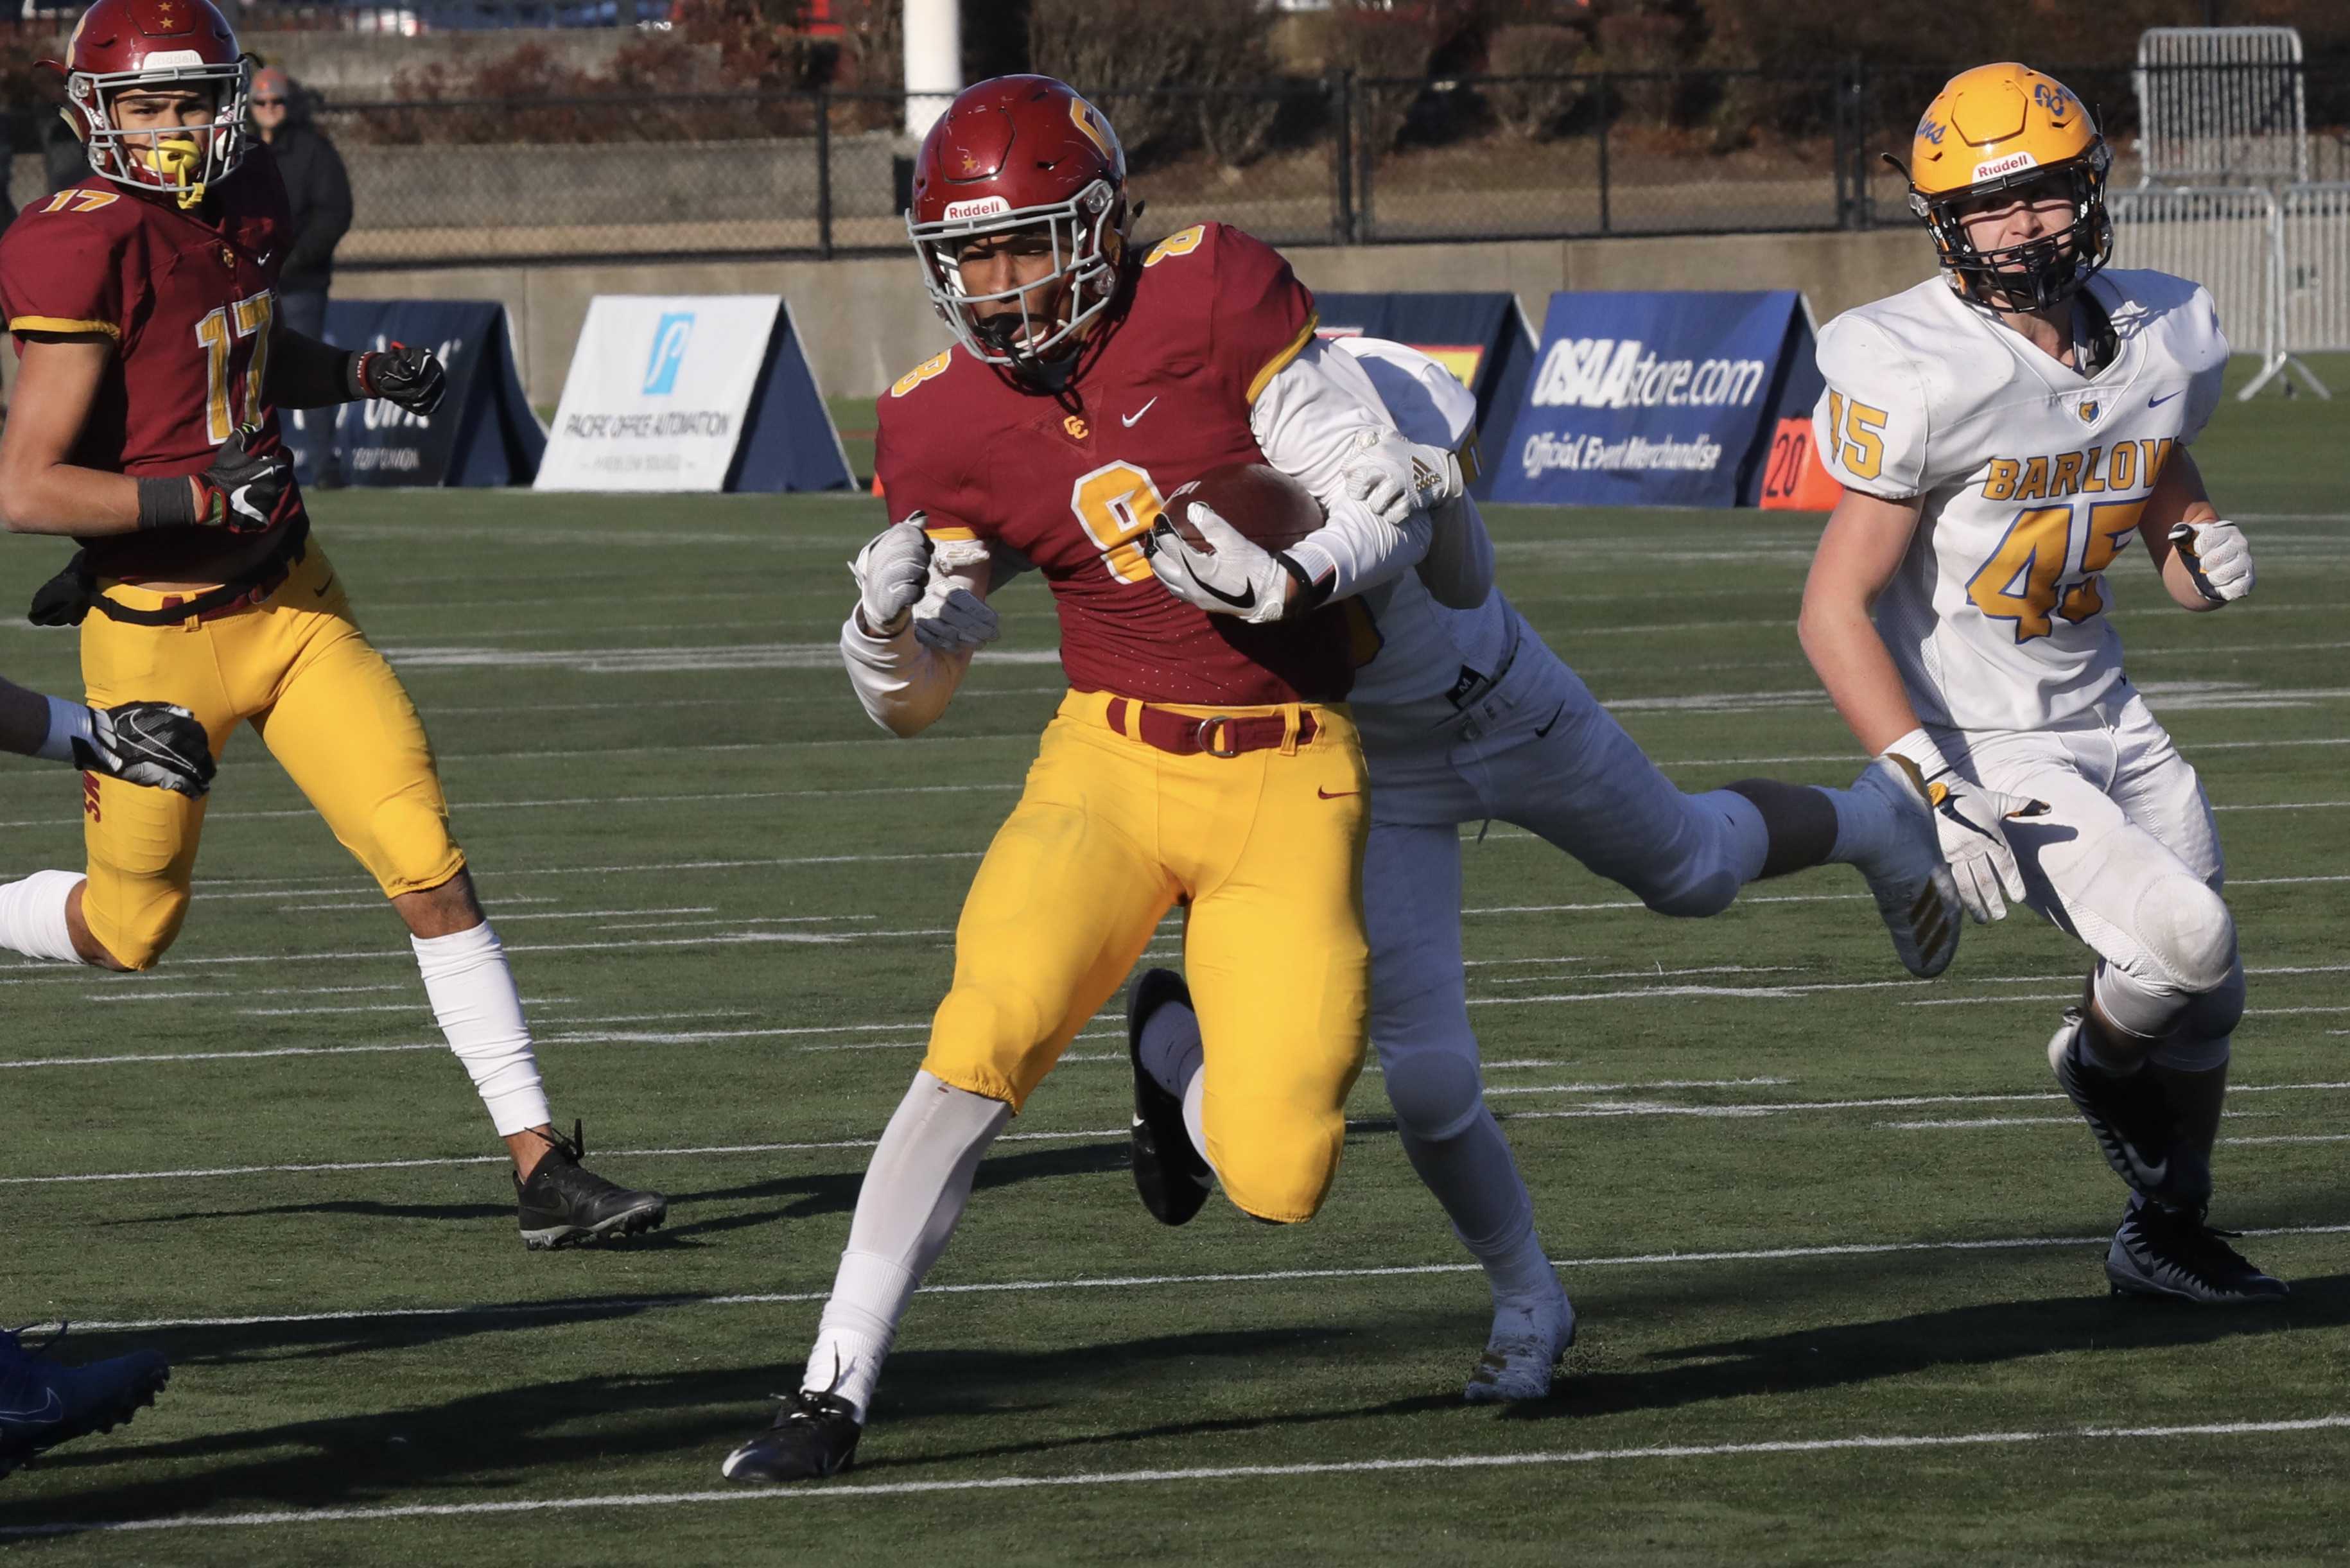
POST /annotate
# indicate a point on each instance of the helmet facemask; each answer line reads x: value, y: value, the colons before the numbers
x: 184, y: 160
x: 1086, y: 236
x: 2038, y: 272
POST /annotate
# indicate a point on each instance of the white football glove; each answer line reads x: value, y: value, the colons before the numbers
x: 960, y: 622
x: 1239, y: 577
x: 2217, y: 557
x: 892, y: 572
x: 1394, y: 489
x: 1969, y: 821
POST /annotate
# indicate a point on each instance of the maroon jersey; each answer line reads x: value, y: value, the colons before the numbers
x: 1072, y: 481
x: 189, y: 298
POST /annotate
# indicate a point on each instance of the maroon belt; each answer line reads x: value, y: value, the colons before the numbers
x: 1217, y: 735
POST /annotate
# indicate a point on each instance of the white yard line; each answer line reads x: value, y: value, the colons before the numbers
x: 1133, y: 1282
x: 836, y: 1491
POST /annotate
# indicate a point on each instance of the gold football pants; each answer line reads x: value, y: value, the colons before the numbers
x: 298, y: 669
x: 1265, y: 851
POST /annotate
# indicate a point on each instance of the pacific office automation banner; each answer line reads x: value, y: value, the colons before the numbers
x: 1482, y: 339
x: 484, y: 433
x: 657, y: 391
x: 1659, y: 399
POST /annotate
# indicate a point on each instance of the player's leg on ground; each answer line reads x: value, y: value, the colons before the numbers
x: 345, y: 731
x: 1274, y: 952
x: 141, y: 843
x: 2144, y: 1058
x: 1428, y: 1057
x: 1064, y: 903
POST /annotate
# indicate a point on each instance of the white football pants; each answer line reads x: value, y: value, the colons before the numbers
x: 2128, y: 858
x: 1538, y: 751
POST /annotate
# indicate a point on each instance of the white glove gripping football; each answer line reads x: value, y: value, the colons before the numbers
x: 958, y: 622
x: 892, y: 572
x: 158, y: 745
x: 1238, y: 578
x: 1396, y: 485
x: 2217, y: 557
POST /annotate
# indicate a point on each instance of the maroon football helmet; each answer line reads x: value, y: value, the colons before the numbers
x: 1010, y: 153
x: 122, y: 45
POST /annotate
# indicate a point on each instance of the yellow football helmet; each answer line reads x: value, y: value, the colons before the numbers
x: 1999, y: 128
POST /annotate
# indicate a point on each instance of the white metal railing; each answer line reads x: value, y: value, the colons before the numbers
x: 2222, y: 105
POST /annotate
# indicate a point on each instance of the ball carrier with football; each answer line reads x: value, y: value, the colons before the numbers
x: 1200, y: 758
x: 143, y: 304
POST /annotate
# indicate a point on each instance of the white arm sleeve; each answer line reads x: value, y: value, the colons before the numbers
x: 902, y: 685
x: 1459, y: 566
x: 1317, y: 417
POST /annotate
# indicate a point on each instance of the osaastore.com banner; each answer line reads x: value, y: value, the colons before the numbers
x: 1650, y: 398
x: 658, y: 392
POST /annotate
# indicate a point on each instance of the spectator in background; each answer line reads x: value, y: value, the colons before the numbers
x: 317, y: 189
x: 318, y: 193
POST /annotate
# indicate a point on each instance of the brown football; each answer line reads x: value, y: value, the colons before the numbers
x: 1264, y: 503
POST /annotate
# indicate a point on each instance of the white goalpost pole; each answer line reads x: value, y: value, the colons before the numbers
x: 933, y: 44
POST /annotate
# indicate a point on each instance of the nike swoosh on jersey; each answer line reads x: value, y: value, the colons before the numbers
x: 2158, y: 402
x: 1128, y: 420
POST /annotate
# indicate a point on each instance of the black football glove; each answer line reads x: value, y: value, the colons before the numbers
x: 243, y: 491
x: 412, y: 377
x: 153, y: 743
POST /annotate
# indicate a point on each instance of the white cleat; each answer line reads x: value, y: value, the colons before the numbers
x: 1914, y: 889
x: 1524, y: 1352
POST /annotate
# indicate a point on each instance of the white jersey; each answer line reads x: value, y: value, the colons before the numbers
x: 1425, y: 648
x: 2032, y: 477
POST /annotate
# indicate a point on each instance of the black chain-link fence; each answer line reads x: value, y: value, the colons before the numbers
x: 1300, y: 162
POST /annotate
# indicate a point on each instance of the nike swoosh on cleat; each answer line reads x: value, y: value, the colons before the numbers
x: 53, y: 1410
x: 1550, y: 723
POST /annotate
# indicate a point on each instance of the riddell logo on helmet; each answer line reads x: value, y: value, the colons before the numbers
x: 1994, y: 168
x: 978, y: 207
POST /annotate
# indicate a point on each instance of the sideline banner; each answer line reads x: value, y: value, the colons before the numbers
x: 1656, y: 399
x: 699, y: 393
x: 1482, y: 339
x: 484, y: 434
x: 657, y: 391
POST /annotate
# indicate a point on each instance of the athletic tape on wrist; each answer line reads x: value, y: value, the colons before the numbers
x: 166, y: 503
x: 68, y: 722
x: 1919, y: 749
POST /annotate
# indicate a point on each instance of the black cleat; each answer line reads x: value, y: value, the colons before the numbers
x: 43, y: 1404
x: 1172, y: 1177
x: 2164, y: 1251
x: 563, y: 1203
x: 2134, y: 1125
x: 815, y: 1435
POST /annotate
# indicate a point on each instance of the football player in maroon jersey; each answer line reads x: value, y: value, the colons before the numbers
x: 1199, y: 759
x: 145, y: 427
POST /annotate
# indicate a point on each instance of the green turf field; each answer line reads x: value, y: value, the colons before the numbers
x: 1835, y: 1239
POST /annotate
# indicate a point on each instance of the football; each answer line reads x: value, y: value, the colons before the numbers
x: 1264, y: 503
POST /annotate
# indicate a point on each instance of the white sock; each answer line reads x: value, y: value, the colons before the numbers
x: 474, y: 997
x: 33, y: 916
x: 1195, y: 1103
x: 1170, y: 1049
x: 1474, y: 1177
x: 915, y: 1190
